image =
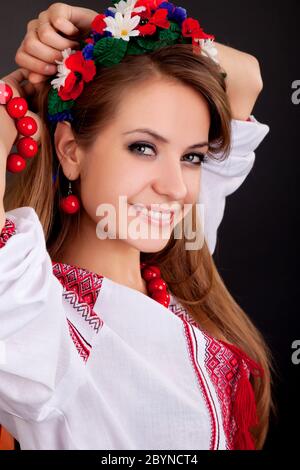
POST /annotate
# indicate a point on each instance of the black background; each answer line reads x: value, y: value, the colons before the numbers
x: 257, y: 251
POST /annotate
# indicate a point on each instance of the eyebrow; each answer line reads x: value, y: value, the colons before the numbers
x: 163, y: 139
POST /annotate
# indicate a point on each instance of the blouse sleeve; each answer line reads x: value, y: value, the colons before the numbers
x: 221, y: 178
x: 36, y: 357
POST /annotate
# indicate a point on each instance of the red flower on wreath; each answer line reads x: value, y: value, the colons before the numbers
x: 149, y: 22
x: 81, y: 71
x: 98, y: 23
x: 149, y: 4
x: 191, y: 28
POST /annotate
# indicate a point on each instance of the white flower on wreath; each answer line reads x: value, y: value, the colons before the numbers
x: 62, y: 70
x: 126, y: 7
x: 209, y: 49
x: 122, y: 27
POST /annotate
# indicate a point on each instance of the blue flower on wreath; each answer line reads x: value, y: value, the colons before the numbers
x: 108, y: 12
x: 88, y: 52
x: 177, y: 14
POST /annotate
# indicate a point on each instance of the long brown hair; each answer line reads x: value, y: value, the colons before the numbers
x: 190, y: 274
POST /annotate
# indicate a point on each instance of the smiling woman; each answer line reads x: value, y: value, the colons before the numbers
x: 133, y: 337
x: 139, y: 91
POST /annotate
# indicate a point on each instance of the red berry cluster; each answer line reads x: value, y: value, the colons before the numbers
x: 27, y: 147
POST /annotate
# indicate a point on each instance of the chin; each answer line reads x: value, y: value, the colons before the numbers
x: 148, y: 246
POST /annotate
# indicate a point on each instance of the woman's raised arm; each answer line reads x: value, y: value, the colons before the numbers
x: 244, y: 80
x: 36, y: 351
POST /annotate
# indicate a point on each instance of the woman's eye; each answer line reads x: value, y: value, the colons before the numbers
x: 200, y: 158
x: 139, y: 145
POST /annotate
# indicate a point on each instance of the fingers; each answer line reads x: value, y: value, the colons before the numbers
x: 48, y: 35
x: 44, y: 41
x: 33, y: 64
x: 40, y: 49
x: 33, y: 46
x: 80, y: 18
x: 38, y: 57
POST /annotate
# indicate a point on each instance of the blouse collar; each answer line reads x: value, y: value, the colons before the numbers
x: 84, y: 282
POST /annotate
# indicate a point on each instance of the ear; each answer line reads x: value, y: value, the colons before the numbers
x: 67, y: 150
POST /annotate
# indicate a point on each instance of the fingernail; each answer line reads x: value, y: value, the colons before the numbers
x: 51, y: 69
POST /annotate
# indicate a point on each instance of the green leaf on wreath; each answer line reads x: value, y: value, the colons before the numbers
x: 134, y: 49
x: 56, y: 104
x: 147, y: 43
x: 161, y: 44
x: 109, y: 51
x: 174, y: 27
x: 168, y: 36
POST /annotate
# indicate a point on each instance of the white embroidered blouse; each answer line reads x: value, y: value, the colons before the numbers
x: 87, y: 363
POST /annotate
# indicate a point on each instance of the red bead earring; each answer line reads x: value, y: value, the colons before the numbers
x: 70, y: 204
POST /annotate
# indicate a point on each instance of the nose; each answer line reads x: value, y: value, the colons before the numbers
x: 170, y: 180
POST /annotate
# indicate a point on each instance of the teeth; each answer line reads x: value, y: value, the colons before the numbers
x: 141, y: 209
x: 157, y: 215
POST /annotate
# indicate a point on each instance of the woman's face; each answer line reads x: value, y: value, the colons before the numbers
x: 162, y: 172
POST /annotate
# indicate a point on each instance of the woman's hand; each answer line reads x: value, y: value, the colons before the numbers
x: 55, y: 29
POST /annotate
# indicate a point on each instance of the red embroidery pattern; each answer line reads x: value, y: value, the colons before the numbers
x: 84, y: 310
x: 82, y: 346
x: 85, y: 283
x: 7, y: 231
x: 192, y: 347
x: 81, y: 289
x: 224, y: 371
x: 182, y: 313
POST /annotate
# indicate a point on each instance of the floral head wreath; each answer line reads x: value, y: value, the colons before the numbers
x: 130, y: 27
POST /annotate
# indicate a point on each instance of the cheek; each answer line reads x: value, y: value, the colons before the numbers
x: 193, y: 180
x: 96, y: 186
x: 105, y: 179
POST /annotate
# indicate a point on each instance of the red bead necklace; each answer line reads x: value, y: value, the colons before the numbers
x: 156, y: 286
x: 27, y: 147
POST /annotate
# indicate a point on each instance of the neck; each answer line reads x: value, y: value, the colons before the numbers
x: 111, y: 258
